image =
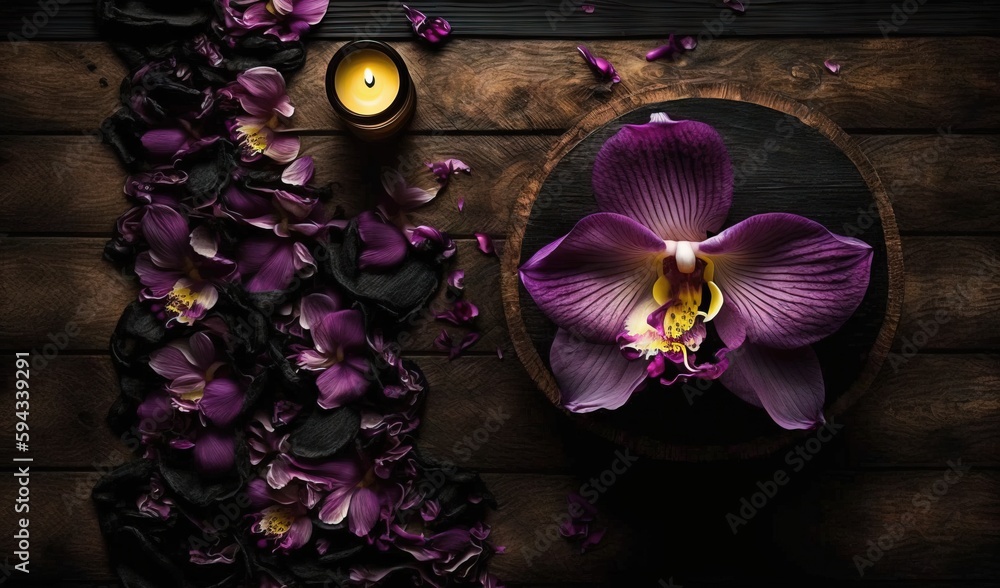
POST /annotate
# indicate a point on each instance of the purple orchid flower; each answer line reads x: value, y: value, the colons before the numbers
x: 625, y: 285
x: 282, y: 516
x: 174, y: 272
x: 339, y: 351
x: 198, y: 380
x: 601, y: 67
x: 433, y: 30
x: 260, y: 92
x: 355, y: 490
x: 383, y: 245
x: 286, y: 19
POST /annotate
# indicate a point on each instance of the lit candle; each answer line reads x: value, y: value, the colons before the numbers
x: 370, y: 88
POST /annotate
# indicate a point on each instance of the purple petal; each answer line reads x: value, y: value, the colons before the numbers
x: 461, y: 203
x: 167, y: 233
x: 672, y: 176
x: 314, y: 307
x: 270, y: 262
x: 341, y: 384
x: 171, y: 363
x: 282, y: 147
x: 311, y: 11
x: 364, y: 511
x: 445, y: 169
x: 736, y: 5
x: 385, y: 246
x: 165, y: 142
x: 668, y: 49
x: 222, y: 401
x: 499, y: 352
x: 592, y: 375
x: 689, y: 43
x: 588, y: 8
x: 461, y: 312
x: 335, y: 506
x: 342, y: 329
x: 791, y: 280
x: 601, y: 67
x: 485, y: 243
x: 214, y: 452
x: 832, y: 66
x: 265, y: 93
x: 298, y: 534
x: 591, y: 279
x: 414, y: 16
x: 456, y: 279
x: 788, y: 383
x: 405, y: 196
x: 299, y: 172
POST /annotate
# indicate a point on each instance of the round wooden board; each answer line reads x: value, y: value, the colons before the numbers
x: 786, y: 158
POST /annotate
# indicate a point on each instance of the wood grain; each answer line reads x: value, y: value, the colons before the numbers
x: 538, y: 85
x: 69, y: 184
x: 552, y: 18
x: 906, y: 420
x: 51, y: 281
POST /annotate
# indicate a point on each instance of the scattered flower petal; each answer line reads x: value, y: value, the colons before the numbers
x: 735, y: 5
x: 461, y: 203
x: 447, y: 168
x: 601, y: 67
x: 832, y: 66
x: 433, y: 30
x: 462, y: 312
x: 444, y: 342
x: 499, y: 352
x: 456, y: 279
x: 485, y: 243
x: 588, y: 8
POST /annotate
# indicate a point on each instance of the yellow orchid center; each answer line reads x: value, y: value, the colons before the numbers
x: 670, y: 321
x: 277, y: 520
x: 180, y: 300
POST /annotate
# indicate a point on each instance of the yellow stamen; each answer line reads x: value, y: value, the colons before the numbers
x: 277, y: 520
x: 180, y: 300
x: 194, y: 395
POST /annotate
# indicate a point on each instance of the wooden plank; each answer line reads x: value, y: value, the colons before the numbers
x: 486, y: 413
x: 505, y: 425
x: 553, y: 18
x: 69, y: 184
x: 951, y: 283
x: 928, y: 408
x: 815, y: 528
x: 885, y: 83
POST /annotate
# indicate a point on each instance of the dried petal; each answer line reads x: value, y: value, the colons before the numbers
x: 832, y: 66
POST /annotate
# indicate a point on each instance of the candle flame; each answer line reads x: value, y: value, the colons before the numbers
x: 369, y: 77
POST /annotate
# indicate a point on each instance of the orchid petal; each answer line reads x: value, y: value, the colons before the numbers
x: 675, y: 177
x: 832, y: 66
x: 214, y: 452
x: 167, y: 233
x: 385, y: 246
x: 282, y: 147
x: 592, y: 375
x: 788, y: 383
x: 298, y: 534
x: 299, y: 172
x: 590, y: 280
x: 405, y: 196
x: 222, y: 402
x: 601, y: 67
x: 311, y: 11
x: 364, y: 511
x: 265, y: 93
x: 791, y: 280
x: 342, y: 329
x: 340, y: 384
x: 314, y: 307
x: 485, y: 243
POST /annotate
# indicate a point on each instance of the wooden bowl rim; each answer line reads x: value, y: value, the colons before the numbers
x: 619, y: 106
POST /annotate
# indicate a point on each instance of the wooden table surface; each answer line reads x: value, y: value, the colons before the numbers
x: 923, y: 101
